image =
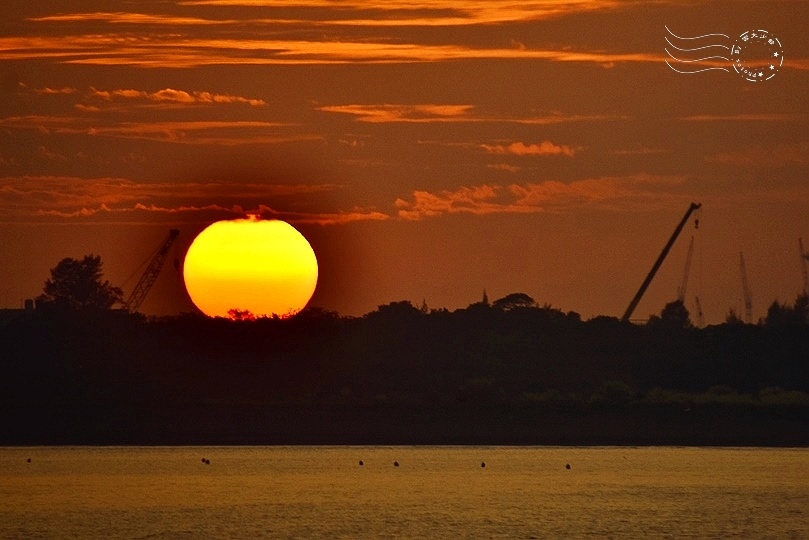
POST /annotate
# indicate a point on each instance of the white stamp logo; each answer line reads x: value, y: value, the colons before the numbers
x: 756, y: 55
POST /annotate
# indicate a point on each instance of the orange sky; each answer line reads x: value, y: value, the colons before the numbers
x: 427, y: 149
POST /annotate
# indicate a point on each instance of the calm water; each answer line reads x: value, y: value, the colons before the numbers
x: 435, y: 492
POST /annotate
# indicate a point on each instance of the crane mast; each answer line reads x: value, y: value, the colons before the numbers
x: 634, y: 303
x: 150, y: 274
x: 748, y: 296
x: 804, y: 258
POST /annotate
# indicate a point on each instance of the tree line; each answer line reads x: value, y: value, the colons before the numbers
x: 93, y: 370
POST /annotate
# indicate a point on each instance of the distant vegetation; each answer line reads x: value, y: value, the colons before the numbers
x: 506, y: 371
x: 119, y: 375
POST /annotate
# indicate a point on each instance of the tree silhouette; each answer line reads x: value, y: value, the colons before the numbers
x: 514, y: 300
x: 76, y: 285
x: 800, y: 309
x: 674, y: 316
x: 402, y: 309
x: 784, y: 314
x: 236, y: 314
x: 733, y: 318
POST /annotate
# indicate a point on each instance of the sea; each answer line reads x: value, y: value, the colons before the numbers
x: 403, y: 492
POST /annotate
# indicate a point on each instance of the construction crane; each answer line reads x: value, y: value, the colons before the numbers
x: 150, y: 274
x: 804, y: 258
x: 634, y: 303
x: 748, y: 296
x: 686, y: 271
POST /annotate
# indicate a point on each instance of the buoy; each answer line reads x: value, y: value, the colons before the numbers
x: 28, y: 460
x: 361, y: 463
x: 395, y: 463
x: 482, y: 464
x: 567, y: 466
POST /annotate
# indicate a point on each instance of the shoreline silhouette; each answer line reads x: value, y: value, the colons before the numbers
x: 505, y: 373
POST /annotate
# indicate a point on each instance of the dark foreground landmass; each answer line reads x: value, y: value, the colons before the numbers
x: 385, y: 425
x: 400, y: 375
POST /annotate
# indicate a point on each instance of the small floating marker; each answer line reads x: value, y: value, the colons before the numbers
x: 207, y: 461
x: 203, y: 460
x: 482, y: 464
x: 567, y: 466
x: 395, y: 463
x: 28, y: 460
x: 362, y: 463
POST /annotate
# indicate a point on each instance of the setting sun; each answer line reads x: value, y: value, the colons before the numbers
x: 264, y: 267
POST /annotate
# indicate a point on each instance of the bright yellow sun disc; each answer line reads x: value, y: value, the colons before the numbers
x: 265, y: 267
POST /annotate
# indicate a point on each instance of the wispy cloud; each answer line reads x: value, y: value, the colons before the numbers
x: 639, y: 151
x: 331, y: 218
x: 544, y: 148
x: 428, y: 12
x: 507, y: 167
x: 271, y: 32
x: 202, y: 132
x: 350, y: 31
x: 170, y: 95
x: 50, y: 155
x: 266, y: 212
x: 430, y: 113
x: 478, y: 200
x: 418, y: 113
x: 30, y: 198
x: 71, y: 191
x: 55, y: 91
x: 122, y: 17
x: 168, y: 50
x: 747, y: 117
x: 758, y: 157
x: 213, y: 212
x: 222, y: 133
x: 552, y: 195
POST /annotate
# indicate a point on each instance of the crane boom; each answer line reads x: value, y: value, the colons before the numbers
x: 150, y: 274
x: 748, y: 296
x: 686, y: 271
x: 634, y: 303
